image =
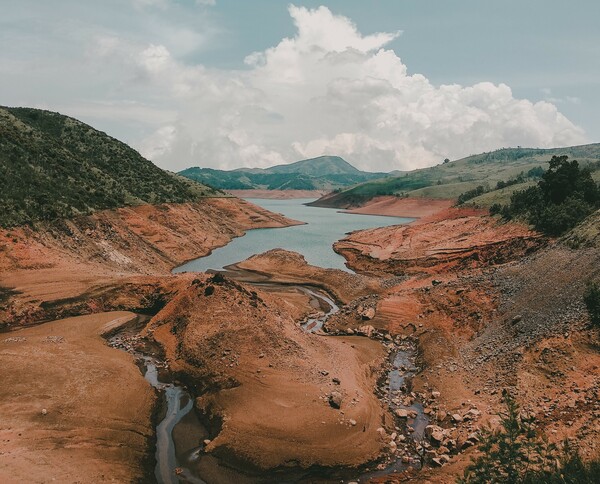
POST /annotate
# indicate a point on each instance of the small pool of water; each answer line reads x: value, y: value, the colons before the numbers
x: 314, y: 239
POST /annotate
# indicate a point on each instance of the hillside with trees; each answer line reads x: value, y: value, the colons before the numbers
x: 507, y: 169
x: 53, y: 166
x: 321, y: 173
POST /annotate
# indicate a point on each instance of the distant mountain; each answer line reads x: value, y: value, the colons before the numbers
x: 450, y: 179
x: 53, y: 166
x: 322, y: 173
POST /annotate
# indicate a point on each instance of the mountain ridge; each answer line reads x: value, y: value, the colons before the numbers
x: 323, y: 172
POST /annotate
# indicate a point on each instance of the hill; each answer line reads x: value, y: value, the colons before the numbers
x: 53, y: 166
x: 322, y: 173
x: 451, y: 179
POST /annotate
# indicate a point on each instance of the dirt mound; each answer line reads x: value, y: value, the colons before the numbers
x: 267, y: 383
x: 287, y: 267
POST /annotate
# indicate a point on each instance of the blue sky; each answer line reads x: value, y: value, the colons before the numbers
x: 387, y: 84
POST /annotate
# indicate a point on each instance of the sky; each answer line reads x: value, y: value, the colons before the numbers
x: 386, y: 84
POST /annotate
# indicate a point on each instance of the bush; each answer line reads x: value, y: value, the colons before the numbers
x: 591, y: 298
x: 516, y: 454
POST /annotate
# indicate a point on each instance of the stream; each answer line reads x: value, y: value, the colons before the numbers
x: 180, y: 434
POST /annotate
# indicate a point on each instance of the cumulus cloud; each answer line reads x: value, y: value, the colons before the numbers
x: 327, y: 90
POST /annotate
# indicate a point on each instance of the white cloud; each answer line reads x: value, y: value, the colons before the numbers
x: 327, y: 90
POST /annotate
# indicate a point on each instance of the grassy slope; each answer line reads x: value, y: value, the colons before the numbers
x: 449, y: 180
x: 53, y: 166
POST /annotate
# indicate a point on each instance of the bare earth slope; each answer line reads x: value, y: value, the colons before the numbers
x: 71, y: 419
x: 66, y: 259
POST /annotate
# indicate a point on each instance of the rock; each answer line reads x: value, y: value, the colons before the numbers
x: 367, y: 313
x: 44, y: 411
x: 402, y: 413
x: 436, y: 282
x: 206, y: 442
x: 435, y: 394
x: 457, y: 418
x: 324, y: 372
x: 441, y: 415
x: 367, y: 330
x: 473, y: 437
x: 516, y: 319
x: 434, y: 433
x: 352, y: 422
x: 349, y: 331
x: 392, y: 445
x: 381, y: 431
x: 335, y: 399
x: 336, y: 381
x: 438, y: 461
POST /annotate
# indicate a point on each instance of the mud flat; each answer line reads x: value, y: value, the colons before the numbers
x: 73, y: 409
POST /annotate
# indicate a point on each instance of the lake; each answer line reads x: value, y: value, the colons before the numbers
x: 314, y: 240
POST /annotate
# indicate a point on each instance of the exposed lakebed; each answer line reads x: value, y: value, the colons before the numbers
x: 180, y: 432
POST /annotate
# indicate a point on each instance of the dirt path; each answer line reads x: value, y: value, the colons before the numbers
x: 71, y: 408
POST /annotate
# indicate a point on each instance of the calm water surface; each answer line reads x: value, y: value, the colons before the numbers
x: 313, y: 240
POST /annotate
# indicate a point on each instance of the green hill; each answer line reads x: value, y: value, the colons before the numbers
x: 322, y: 173
x: 320, y: 166
x: 53, y: 166
x: 451, y: 179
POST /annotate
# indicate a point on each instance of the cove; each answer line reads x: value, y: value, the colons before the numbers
x: 314, y: 239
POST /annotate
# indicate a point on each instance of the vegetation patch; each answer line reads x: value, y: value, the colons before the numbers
x: 565, y: 195
x: 53, y: 166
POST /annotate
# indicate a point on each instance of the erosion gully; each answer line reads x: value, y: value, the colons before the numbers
x: 181, y: 434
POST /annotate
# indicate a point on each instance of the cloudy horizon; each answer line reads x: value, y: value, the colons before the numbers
x: 325, y: 87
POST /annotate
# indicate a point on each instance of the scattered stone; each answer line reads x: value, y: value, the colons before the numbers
x: 436, y: 282
x: 206, y: 442
x: 435, y: 394
x: 44, y: 411
x: 324, y: 372
x: 457, y: 418
x: 352, y: 422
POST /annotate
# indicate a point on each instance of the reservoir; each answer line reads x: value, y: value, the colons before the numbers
x: 314, y: 239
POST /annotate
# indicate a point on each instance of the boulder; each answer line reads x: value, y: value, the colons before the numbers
x: 335, y: 399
